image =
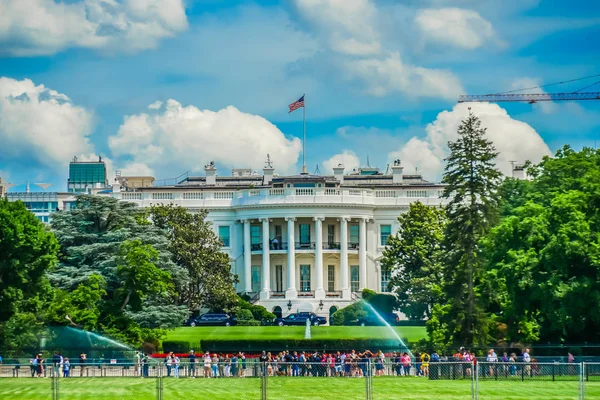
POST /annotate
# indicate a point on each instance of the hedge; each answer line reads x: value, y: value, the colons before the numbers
x: 176, y: 346
x: 276, y: 345
x: 249, y: 323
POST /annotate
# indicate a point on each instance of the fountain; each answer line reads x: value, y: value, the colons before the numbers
x: 73, y: 341
x: 390, y: 328
x: 307, y: 330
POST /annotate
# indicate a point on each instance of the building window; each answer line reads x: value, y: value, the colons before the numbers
x: 386, y: 274
x: 304, y: 235
x: 330, y: 235
x: 256, y: 278
x: 279, y: 278
x: 330, y: 278
x: 354, y: 236
x: 255, y: 241
x: 224, y: 235
x: 385, y: 232
x: 305, y: 278
x: 354, y: 282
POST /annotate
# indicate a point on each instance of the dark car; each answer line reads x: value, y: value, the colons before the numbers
x: 374, y: 320
x: 212, y: 319
x: 300, y: 319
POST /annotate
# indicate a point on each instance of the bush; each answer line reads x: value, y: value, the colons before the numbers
x: 348, y: 314
x: 381, y: 302
x: 258, y: 312
x: 176, y: 346
x: 249, y: 323
x: 245, y: 315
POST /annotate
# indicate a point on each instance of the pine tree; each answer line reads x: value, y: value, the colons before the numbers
x: 472, y: 187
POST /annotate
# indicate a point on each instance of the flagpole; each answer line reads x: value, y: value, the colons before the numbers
x: 304, y: 140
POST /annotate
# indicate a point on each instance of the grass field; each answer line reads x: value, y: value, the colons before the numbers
x: 195, y: 334
x: 289, y: 388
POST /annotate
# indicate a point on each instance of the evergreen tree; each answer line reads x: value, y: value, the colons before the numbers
x: 197, y: 248
x: 472, y: 186
x: 415, y: 257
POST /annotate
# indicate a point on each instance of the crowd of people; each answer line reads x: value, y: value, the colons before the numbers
x: 301, y: 363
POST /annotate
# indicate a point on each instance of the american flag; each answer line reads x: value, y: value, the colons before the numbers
x: 297, y: 104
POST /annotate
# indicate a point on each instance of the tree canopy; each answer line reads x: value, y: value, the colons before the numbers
x: 415, y: 256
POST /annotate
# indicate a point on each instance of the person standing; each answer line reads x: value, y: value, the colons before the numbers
x: 526, y: 361
x: 169, y: 363
x: 176, y: 362
x: 66, y: 367
x: 138, y: 364
x: 207, y: 361
x: 145, y: 366
x: 192, y: 364
x: 82, y: 360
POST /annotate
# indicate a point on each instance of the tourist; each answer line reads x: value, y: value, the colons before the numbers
x: 34, y: 366
x: 82, y: 361
x: 505, y: 361
x: 243, y: 362
x: 418, y: 362
x: 169, y: 363
x: 66, y: 367
x: 145, y: 366
x: 263, y: 362
x: 207, y: 362
x: 138, y: 364
x: 527, y: 360
x: 221, y: 366
x: 40, y: 365
x: 405, y: 360
x: 227, y: 368
x: 215, y: 365
x: 513, y: 361
x: 192, y: 364
x: 425, y: 358
x: 492, y: 358
x: 234, y: 365
x: 176, y: 363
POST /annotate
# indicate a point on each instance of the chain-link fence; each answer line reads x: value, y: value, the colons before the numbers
x: 350, y: 378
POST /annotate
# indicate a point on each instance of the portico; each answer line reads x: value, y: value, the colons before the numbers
x: 307, y: 257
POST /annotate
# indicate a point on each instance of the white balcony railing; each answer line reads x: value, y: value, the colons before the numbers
x: 291, y: 196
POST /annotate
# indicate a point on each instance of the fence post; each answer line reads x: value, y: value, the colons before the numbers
x: 159, y: 382
x: 54, y: 382
x: 582, y: 381
x: 264, y: 376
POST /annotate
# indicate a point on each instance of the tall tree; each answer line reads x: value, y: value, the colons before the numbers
x: 139, y: 274
x: 196, y: 247
x: 27, y: 251
x: 415, y: 257
x: 544, y: 257
x: 91, y: 237
x: 472, y: 186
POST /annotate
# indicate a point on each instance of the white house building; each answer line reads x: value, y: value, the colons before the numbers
x: 301, y: 242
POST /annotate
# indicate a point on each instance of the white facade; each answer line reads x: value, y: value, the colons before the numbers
x: 308, y: 243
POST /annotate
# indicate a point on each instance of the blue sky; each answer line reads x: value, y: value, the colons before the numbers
x: 162, y: 87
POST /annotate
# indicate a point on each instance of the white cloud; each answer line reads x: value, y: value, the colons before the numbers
x: 348, y: 158
x: 351, y: 29
x: 42, y: 27
x: 514, y: 140
x: 41, y: 125
x: 458, y: 27
x: 388, y: 75
x: 177, y: 138
x: 348, y: 26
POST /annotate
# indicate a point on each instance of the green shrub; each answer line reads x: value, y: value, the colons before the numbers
x: 346, y: 315
x: 260, y: 313
x: 249, y: 323
x: 245, y: 315
x: 176, y: 346
x: 380, y: 301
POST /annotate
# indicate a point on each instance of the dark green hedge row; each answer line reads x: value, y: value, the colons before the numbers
x: 176, y: 346
x: 255, y: 346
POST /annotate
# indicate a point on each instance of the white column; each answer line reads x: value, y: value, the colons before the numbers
x: 362, y: 254
x: 291, y: 292
x: 319, y: 291
x: 266, y: 260
x: 345, y: 284
x: 247, y: 257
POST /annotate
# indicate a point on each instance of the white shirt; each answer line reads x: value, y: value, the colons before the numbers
x: 526, y: 357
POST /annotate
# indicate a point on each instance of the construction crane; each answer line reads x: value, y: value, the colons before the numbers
x: 535, y: 97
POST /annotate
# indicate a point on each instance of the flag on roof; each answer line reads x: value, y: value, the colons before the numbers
x: 297, y: 104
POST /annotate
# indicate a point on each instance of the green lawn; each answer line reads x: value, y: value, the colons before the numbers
x: 195, y: 334
x: 288, y: 388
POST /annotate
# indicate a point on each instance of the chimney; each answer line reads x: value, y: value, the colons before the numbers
x: 268, y: 171
x: 338, y: 173
x: 518, y: 172
x: 397, y: 169
x: 211, y: 173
